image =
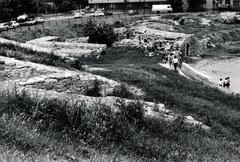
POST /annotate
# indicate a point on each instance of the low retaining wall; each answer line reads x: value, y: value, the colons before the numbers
x: 152, y: 110
x: 66, y: 45
x: 62, y: 52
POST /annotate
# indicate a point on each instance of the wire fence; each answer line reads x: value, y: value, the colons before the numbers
x: 81, y: 20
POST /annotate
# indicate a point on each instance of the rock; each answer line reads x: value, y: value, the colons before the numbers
x: 205, y: 22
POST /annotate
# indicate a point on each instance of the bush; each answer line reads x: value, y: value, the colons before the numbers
x: 123, y: 92
x: 100, y: 33
x: 118, y: 24
x: 132, y: 113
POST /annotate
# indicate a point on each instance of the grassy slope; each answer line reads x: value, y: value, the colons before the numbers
x: 151, y: 140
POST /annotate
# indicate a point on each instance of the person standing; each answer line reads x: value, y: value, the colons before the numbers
x: 175, y: 63
x: 220, y: 84
x: 139, y: 38
x: 164, y: 58
x: 228, y: 83
x: 170, y: 59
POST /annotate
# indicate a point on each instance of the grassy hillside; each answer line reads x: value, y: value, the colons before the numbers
x: 127, y: 135
x: 32, y: 130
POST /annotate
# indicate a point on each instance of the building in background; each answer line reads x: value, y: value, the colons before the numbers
x: 207, y: 5
x: 147, y: 4
x: 124, y: 4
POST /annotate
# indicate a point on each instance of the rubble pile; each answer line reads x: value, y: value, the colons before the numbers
x: 227, y: 17
x: 127, y: 43
x: 78, y: 40
x: 151, y: 40
x: 159, y: 26
x: 194, y: 21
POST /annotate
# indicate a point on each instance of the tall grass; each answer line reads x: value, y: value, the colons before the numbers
x: 42, y: 127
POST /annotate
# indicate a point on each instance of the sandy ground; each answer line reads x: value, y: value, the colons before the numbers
x: 221, y: 68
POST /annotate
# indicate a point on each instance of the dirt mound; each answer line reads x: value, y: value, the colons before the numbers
x: 194, y: 21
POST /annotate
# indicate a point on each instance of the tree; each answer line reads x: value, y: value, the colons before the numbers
x: 100, y: 33
x: 81, y: 3
x: 10, y: 9
x: 196, y: 5
x: 64, y: 5
x: 68, y: 5
x: 176, y: 5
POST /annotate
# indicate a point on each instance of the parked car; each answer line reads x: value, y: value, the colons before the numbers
x: 4, y: 26
x: 133, y: 12
x: 22, y: 18
x: 13, y: 24
x: 78, y: 14
x: 97, y: 13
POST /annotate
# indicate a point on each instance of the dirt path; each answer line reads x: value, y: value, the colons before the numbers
x: 220, y: 68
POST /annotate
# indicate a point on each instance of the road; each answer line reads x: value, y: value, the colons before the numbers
x: 66, y: 19
x: 69, y: 19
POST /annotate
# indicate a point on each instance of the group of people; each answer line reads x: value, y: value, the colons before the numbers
x: 224, y: 83
x: 174, y: 60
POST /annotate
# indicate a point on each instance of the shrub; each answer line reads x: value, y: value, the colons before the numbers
x: 100, y: 33
x: 95, y: 90
x: 123, y: 92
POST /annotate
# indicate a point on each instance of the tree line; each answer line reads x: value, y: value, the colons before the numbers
x: 10, y: 9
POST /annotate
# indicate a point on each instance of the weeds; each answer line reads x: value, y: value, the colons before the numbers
x: 126, y: 132
x: 122, y: 91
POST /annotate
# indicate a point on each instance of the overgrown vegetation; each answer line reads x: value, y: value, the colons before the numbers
x: 123, y: 91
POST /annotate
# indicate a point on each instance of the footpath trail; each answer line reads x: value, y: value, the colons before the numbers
x: 191, y: 73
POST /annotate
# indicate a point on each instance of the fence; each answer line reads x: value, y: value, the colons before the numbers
x: 81, y: 20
